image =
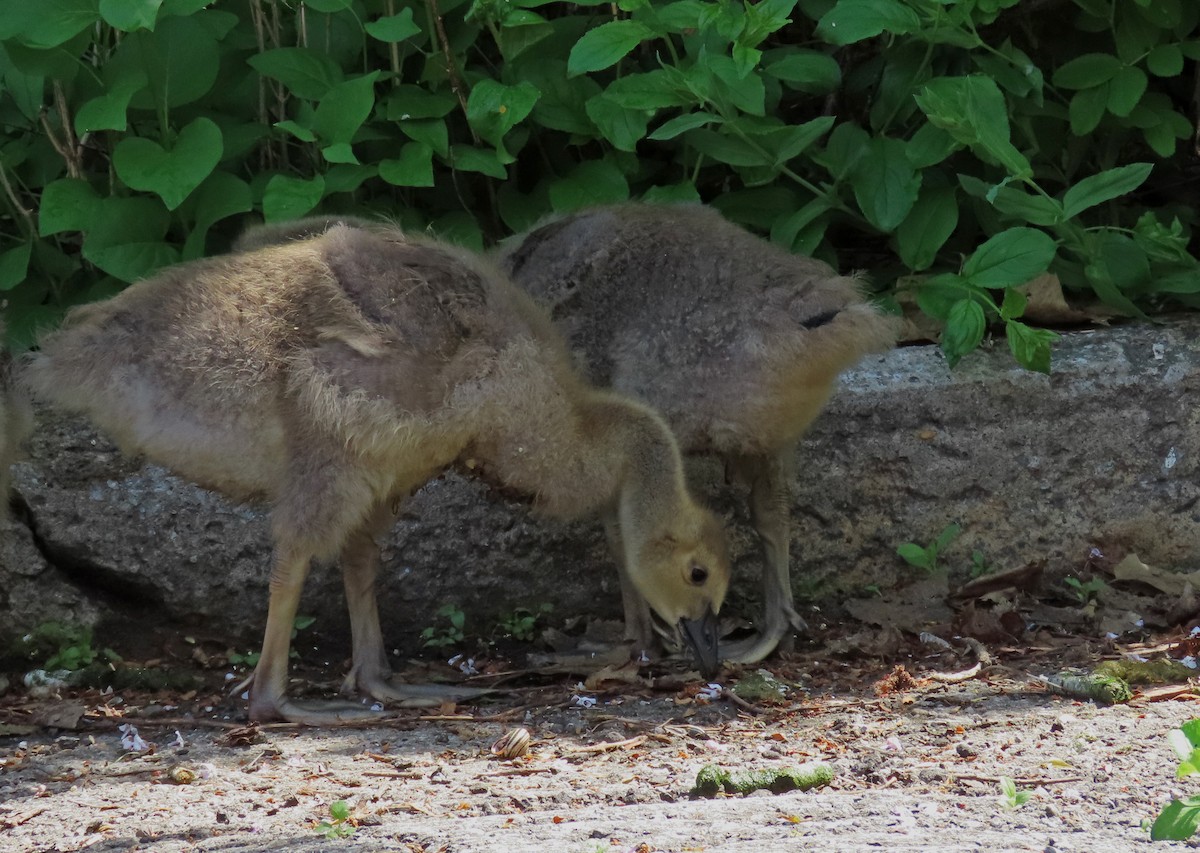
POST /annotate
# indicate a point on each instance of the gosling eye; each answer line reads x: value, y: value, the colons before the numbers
x: 698, y: 575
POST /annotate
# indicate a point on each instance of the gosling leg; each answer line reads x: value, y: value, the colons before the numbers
x: 370, y: 673
x: 769, y: 513
x: 268, y: 692
x: 639, y: 626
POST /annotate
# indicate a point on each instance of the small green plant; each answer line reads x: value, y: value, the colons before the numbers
x: 979, y: 565
x: 1086, y: 591
x: 449, y: 635
x: 1012, y: 798
x: 251, y: 658
x: 64, y: 646
x: 338, y: 825
x: 927, y: 558
x: 1180, y: 818
x: 521, y: 623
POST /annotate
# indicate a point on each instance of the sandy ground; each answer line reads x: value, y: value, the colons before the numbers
x: 917, y: 762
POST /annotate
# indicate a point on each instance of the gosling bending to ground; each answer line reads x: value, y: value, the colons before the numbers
x: 333, y: 375
x: 735, y: 341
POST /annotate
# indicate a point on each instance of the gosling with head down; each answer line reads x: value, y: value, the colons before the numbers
x: 736, y: 342
x: 332, y: 373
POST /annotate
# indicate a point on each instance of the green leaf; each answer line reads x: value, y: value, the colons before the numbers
x: 915, y: 555
x: 464, y: 158
x: 49, y: 23
x: 290, y: 198
x: 68, y: 204
x: 624, y: 128
x: 605, y: 46
x: 1087, y: 71
x: 747, y: 93
x: 14, y: 264
x: 845, y: 147
x: 414, y: 168
x: 928, y: 225
x: 1165, y: 60
x: 973, y: 111
x: 727, y: 149
x: 432, y: 132
x: 785, y: 143
x: 338, y: 810
x: 410, y: 102
x: 126, y: 238
x: 673, y: 194
x: 493, y: 109
x: 1107, y: 185
x: 592, y: 182
x: 180, y: 58
x: 1109, y: 273
x: 307, y: 73
x: 807, y: 71
x: 1125, y: 90
x: 130, y: 15
x: 1014, y: 304
x: 964, y: 330
x: 297, y: 130
x: 1034, y: 209
x: 1010, y: 258
x: 394, y: 27
x: 143, y: 164
x: 851, y: 21
x: 649, y: 91
x: 343, y: 109
x: 108, y: 111
x: 220, y: 196
x: 885, y: 183
x: 1177, y: 822
x: 1087, y: 108
x: 682, y: 124
x: 788, y: 229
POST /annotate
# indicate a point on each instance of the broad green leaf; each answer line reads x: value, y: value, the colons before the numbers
x: 1010, y: 258
x: 851, y: 21
x: 220, y: 196
x: 1124, y: 262
x: 290, y: 198
x: 624, y: 128
x: 1177, y: 822
x: 1014, y: 304
x: 928, y: 225
x: 49, y: 23
x: 592, y: 182
x: 1110, y: 184
x: 807, y: 71
x: 786, y: 230
x: 339, y: 152
x: 964, y: 330
x: 1165, y: 60
x: 14, y: 264
x: 938, y: 294
x: 846, y: 146
x: 464, y: 158
x: 885, y: 183
x: 108, y: 111
x: 68, y: 204
x: 973, y: 111
x: 493, y: 109
x: 649, y: 91
x: 343, y: 109
x: 605, y: 46
x: 1125, y: 90
x: 414, y: 167
x: 180, y: 59
x: 125, y: 238
x: 143, y: 164
x: 682, y: 124
x: 1087, y: 108
x: 130, y: 15
x: 394, y: 27
x: 747, y: 93
x: 1108, y: 273
x: 727, y: 149
x: 307, y: 73
x: 348, y: 177
x: 1030, y: 347
x: 297, y: 130
x: 1087, y: 71
x: 408, y: 102
x: 915, y: 555
x: 432, y: 132
x: 673, y: 194
x: 785, y: 143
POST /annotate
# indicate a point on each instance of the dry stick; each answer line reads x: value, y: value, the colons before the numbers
x: 394, y: 48
x: 522, y: 771
x: 955, y: 677
x: 742, y: 703
x: 456, y: 84
x: 20, y: 209
x: 1030, y: 780
x: 637, y: 740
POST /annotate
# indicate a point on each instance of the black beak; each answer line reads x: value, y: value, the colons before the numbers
x: 701, y: 635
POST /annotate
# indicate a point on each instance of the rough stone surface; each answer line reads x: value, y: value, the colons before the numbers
x: 1102, y: 453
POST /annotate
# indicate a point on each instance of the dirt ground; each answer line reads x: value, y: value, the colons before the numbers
x: 918, y: 755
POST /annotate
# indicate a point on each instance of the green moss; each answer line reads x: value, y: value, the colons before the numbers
x: 1165, y: 671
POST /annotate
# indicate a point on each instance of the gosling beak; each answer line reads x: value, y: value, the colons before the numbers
x: 701, y: 635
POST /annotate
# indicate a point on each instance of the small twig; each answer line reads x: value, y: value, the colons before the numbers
x: 522, y: 771
x: 21, y: 817
x: 1029, y: 780
x: 955, y: 677
x: 456, y: 83
x: 394, y: 774
x: 637, y: 740
x: 742, y: 703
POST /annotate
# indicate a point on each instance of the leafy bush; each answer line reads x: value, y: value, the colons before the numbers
x: 977, y: 143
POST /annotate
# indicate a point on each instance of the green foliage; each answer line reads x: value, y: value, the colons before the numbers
x: 927, y: 558
x: 59, y: 646
x: 450, y: 634
x: 251, y: 658
x: 1180, y: 818
x: 339, y: 824
x: 978, y: 143
x: 1010, y: 796
x: 1085, y: 591
x: 521, y: 624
